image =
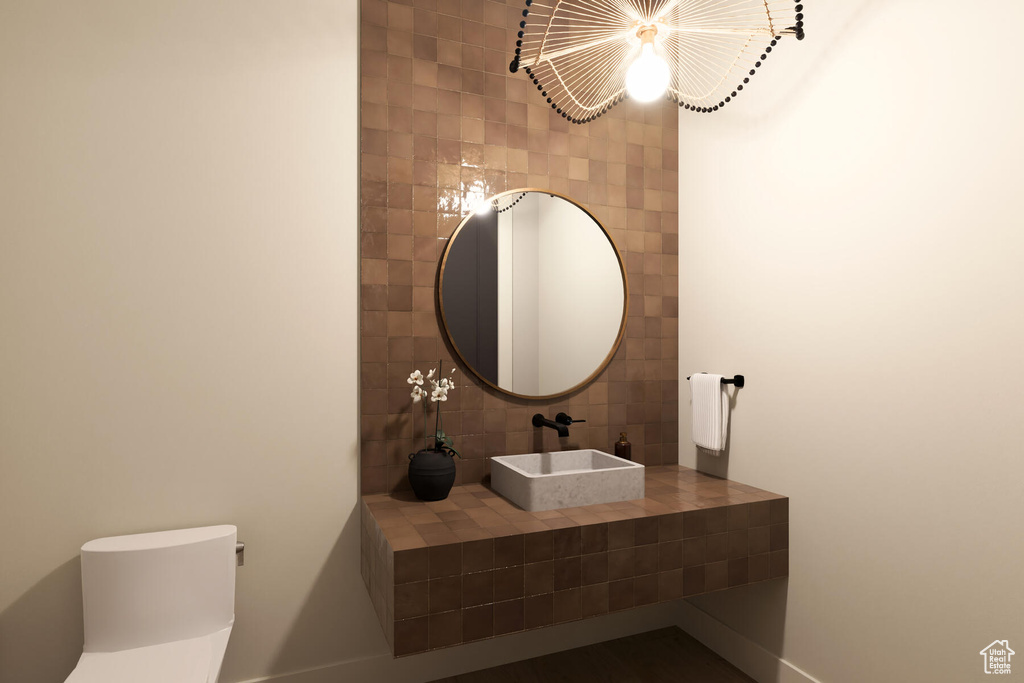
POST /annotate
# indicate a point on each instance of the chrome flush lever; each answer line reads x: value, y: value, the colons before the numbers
x: 240, y: 553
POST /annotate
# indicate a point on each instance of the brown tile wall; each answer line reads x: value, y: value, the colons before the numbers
x: 442, y: 119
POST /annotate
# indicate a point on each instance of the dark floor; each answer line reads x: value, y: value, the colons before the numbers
x: 667, y: 655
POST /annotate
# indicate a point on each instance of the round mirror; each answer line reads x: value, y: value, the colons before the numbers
x: 533, y: 294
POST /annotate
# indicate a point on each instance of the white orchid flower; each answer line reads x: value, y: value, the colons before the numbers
x: 436, y: 387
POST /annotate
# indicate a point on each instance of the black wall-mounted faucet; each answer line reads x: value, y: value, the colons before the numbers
x: 564, y: 419
x: 541, y: 421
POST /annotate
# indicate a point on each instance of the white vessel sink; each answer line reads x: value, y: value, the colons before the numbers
x: 565, y: 479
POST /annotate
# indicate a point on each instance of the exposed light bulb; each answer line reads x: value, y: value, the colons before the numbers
x: 648, y: 76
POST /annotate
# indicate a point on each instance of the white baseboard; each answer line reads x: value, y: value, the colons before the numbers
x: 738, y: 650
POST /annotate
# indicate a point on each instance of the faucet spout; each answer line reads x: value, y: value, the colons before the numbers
x: 541, y: 421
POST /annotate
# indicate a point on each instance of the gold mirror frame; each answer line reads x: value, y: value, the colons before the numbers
x: 625, y: 297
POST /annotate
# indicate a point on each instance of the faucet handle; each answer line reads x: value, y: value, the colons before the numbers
x: 564, y: 419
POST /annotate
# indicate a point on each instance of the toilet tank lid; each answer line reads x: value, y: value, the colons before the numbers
x: 159, y: 539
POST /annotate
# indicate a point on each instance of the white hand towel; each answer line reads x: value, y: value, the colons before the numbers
x: 710, y: 404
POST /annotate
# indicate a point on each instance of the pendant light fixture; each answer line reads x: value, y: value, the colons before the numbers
x: 586, y: 56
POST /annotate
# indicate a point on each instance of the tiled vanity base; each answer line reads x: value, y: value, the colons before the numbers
x: 475, y: 566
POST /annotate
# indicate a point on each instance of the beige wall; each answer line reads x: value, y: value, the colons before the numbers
x: 178, y: 299
x: 851, y: 240
x: 178, y: 282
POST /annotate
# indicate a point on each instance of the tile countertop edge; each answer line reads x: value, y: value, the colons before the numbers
x: 475, y: 512
x: 474, y: 566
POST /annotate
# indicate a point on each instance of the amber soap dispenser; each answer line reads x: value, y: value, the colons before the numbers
x: 623, y: 449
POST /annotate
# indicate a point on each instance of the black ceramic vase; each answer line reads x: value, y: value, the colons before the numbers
x: 431, y: 473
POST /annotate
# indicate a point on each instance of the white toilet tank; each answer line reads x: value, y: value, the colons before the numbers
x: 147, y: 589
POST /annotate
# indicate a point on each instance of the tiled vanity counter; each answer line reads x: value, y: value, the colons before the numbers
x: 475, y: 566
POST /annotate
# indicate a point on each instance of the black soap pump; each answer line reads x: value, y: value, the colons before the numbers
x: 623, y: 449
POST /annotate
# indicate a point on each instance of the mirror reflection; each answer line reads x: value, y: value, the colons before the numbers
x: 533, y: 294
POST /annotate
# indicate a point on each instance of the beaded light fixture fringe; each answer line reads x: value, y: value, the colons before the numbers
x: 577, y: 52
x: 503, y: 204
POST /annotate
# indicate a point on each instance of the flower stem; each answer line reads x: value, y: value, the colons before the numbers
x: 426, y: 443
x: 437, y: 416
